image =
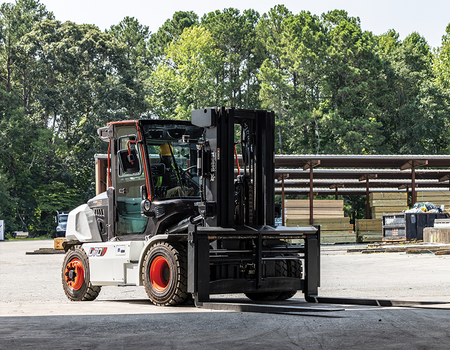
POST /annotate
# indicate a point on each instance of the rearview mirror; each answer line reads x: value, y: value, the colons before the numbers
x: 129, y: 162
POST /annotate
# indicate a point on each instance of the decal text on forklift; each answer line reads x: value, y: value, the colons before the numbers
x: 97, y: 251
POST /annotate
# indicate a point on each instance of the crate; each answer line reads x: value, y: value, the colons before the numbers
x: 394, y: 233
x: 408, y: 226
x: 57, y: 243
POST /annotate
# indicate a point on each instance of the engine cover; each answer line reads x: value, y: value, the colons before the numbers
x: 82, y: 225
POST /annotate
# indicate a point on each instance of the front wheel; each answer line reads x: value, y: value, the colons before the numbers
x: 165, y: 274
x: 76, y: 277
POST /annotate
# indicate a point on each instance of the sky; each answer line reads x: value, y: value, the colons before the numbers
x: 428, y: 18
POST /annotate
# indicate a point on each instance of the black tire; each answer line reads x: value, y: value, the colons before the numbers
x: 75, y: 276
x: 294, y: 269
x: 165, y: 274
x: 290, y: 268
x: 280, y: 270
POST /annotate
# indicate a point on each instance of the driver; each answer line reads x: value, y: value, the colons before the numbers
x: 169, y: 178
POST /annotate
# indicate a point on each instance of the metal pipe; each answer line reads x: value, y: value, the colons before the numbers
x: 282, y: 201
x: 281, y: 258
x: 413, y: 188
x: 311, y: 195
x: 296, y: 249
x: 265, y: 251
x: 212, y: 238
x: 367, y: 199
x: 221, y: 251
x: 225, y: 259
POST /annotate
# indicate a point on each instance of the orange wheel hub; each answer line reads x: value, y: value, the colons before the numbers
x: 74, y: 274
x: 160, y: 273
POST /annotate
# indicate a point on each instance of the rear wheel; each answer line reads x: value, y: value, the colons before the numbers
x: 283, y: 268
x: 294, y: 269
x: 280, y: 270
x: 76, y: 277
x: 165, y: 274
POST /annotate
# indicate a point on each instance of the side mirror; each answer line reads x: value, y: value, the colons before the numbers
x: 129, y: 161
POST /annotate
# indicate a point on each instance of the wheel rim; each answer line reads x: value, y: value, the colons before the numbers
x: 74, y: 274
x: 160, y: 273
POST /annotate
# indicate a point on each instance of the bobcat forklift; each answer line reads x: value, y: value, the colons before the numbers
x: 177, y: 220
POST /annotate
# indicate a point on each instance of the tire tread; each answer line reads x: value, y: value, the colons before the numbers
x: 91, y: 292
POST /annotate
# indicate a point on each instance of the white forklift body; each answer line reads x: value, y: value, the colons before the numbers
x: 113, y: 263
x: 82, y: 225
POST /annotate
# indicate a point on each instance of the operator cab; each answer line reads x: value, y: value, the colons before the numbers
x: 173, y: 162
x: 152, y: 177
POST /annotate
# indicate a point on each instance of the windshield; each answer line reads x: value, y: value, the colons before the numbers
x: 173, y: 163
x: 63, y: 218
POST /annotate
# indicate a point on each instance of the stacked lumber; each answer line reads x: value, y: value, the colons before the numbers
x: 332, y: 230
x: 437, y: 197
x: 299, y: 208
x: 369, y: 230
x: 387, y: 203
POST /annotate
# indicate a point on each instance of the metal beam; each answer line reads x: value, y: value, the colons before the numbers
x: 406, y: 186
x: 339, y: 185
x: 374, y: 184
x: 367, y: 200
x: 311, y: 164
x: 414, y: 164
x: 445, y: 178
x: 311, y: 196
x: 282, y: 177
x: 368, y: 177
x: 336, y: 186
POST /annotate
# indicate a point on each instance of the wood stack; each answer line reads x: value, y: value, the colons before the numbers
x: 436, y: 197
x: 387, y: 203
x: 369, y: 230
x: 329, y: 214
x: 299, y: 208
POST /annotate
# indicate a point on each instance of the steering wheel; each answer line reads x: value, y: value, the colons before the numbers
x: 188, y: 176
x: 190, y: 172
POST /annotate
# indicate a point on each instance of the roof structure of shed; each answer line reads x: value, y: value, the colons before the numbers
x: 359, y: 175
x: 361, y: 161
x: 349, y: 172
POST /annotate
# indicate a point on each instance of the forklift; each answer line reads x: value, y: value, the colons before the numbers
x: 187, y: 218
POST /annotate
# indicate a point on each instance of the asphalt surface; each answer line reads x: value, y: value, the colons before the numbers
x: 34, y: 312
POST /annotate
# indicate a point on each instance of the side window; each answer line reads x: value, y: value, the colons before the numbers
x: 129, y: 156
x: 130, y: 178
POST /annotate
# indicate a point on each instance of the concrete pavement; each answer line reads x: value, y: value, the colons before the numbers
x: 34, y: 312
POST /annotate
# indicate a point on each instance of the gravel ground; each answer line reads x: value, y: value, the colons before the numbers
x: 35, y: 313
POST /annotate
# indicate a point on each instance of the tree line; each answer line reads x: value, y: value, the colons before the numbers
x: 335, y: 89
